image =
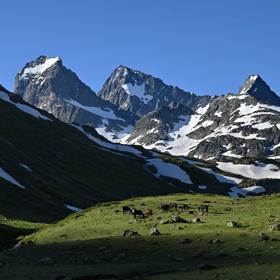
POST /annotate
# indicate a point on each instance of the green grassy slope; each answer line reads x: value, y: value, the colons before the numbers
x: 90, y: 242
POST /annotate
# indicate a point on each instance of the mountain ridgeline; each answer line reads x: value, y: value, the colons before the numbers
x: 135, y: 108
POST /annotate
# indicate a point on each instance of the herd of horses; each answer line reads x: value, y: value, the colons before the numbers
x: 137, y: 213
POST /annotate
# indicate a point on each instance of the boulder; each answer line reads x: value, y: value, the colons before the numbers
x: 232, y: 224
x: 130, y: 233
x: 196, y: 220
x: 275, y: 227
x: 177, y: 219
x: 154, y: 231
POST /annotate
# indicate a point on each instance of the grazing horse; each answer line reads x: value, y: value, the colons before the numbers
x: 126, y: 210
x: 148, y: 212
x: 183, y: 207
x: 138, y: 213
x: 168, y: 207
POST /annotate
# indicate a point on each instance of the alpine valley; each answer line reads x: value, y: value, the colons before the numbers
x: 139, y: 143
x: 236, y: 135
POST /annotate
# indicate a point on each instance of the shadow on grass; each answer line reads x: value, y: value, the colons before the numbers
x: 136, y: 257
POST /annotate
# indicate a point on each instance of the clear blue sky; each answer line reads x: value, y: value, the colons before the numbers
x: 208, y: 47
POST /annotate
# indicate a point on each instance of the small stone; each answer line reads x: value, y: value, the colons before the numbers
x: 163, y: 222
x: 263, y: 237
x: 154, y: 231
x: 215, y: 241
x: 232, y: 224
x: 177, y: 219
x: 196, y: 220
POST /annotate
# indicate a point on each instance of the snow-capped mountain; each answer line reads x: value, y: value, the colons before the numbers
x: 228, y: 127
x: 137, y: 109
x: 48, y: 85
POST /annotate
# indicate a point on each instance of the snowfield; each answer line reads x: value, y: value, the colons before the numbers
x: 253, y: 171
x: 170, y: 170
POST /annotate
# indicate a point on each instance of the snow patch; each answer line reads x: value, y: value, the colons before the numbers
x: 207, y: 123
x: 10, y: 179
x: 27, y: 109
x: 264, y: 125
x: 218, y: 114
x: 253, y: 171
x: 73, y: 208
x: 222, y: 178
x: 26, y: 167
x: 138, y: 91
x: 39, y: 69
x: 103, y: 113
x: 170, y: 170
x: 108, y: 145
x: 230, y: 154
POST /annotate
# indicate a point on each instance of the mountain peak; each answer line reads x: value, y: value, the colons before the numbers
x: 250, y: 84
x: 256, y: 87
x: 124, y: 71
x: 38, y: 66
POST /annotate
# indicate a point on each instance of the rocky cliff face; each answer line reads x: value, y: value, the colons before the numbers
x: 139, y: 93
x: 256, y: 87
